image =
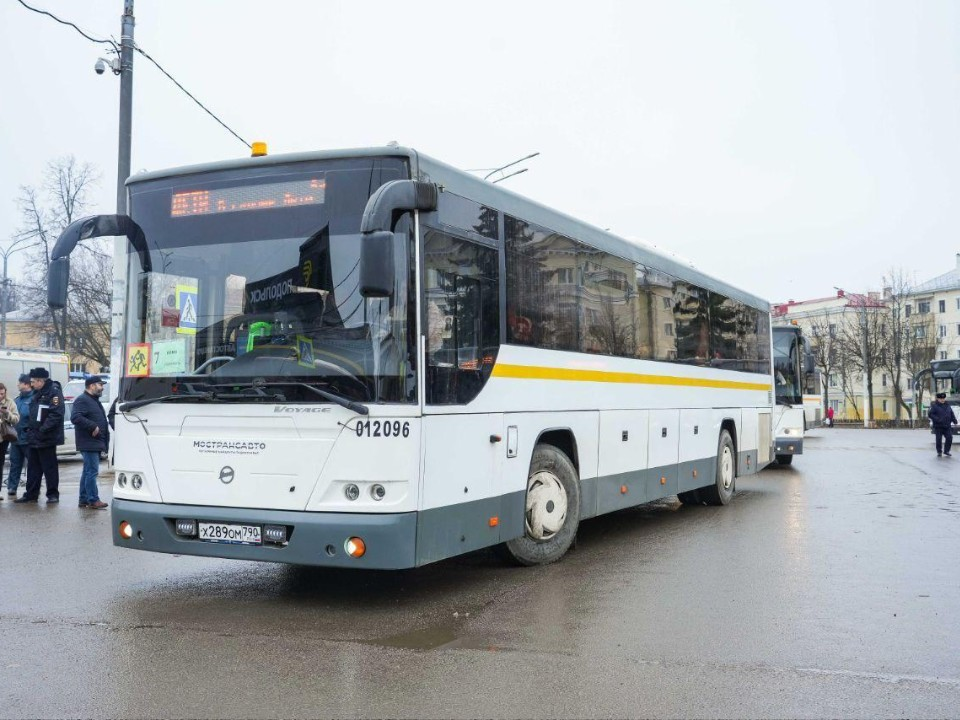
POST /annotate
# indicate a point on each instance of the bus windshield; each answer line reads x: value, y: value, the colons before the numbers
x: 787, y: 367
x: 250, y: 288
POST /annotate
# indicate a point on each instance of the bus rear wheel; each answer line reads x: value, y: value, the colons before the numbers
x: 551, y: 511
x: 721, y: 492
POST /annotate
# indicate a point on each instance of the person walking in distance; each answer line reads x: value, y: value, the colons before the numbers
x: 18, y: 449
x: 830, y: 416
x: 44, y: 433
x: 942, y: 417
x: 93, y: 437
x: 10, y: 416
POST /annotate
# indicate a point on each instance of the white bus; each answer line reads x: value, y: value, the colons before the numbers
x: 371, y: 359
x: 790, y: 361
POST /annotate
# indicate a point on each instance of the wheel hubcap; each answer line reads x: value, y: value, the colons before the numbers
x: 726, y: 468
x: 546, y: 506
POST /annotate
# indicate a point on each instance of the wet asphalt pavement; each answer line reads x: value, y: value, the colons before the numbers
x: 826, y: 589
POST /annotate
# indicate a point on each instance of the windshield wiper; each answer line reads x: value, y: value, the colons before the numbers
x: 331, y: 396
x: 134, y: 404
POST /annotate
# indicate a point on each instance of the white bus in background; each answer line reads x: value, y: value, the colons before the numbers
x: 371, y: 359
x: 813, y: 412
x: 14, y: 363
x: 791, y: 361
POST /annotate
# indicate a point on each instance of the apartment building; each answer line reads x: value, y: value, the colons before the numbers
x: 939, y: 298
x: 826, y: 323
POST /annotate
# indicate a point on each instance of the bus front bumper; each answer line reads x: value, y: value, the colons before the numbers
x: 312, y: 538
x: 788, y: 446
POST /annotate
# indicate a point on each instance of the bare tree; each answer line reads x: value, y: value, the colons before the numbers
x: 83, y: 327
x: 864, y: 339
x: 909, y: 340
x: 825, y: 347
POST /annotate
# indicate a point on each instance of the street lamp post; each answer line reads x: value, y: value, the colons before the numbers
x: 14, y: 247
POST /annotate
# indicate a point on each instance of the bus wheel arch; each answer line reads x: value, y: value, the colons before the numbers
x: 551, y: 508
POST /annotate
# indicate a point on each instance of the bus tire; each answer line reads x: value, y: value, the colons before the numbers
x: 721, y: 492
x: 784, y: 459
x: 690, y: 497
x: 551, y: 509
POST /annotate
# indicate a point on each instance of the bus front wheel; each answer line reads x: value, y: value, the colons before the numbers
x: 721, y: 492
x: 551, y: 512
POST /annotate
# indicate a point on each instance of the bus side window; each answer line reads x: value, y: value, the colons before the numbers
x: 462, y: 317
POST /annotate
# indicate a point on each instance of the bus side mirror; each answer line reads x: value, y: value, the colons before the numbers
x: 808, y: 363
x: 377, y: 270
x: 58, y: 277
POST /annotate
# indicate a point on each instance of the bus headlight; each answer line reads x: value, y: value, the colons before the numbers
x: 351, y: 491
x: 377, y: 492
x: 136, y: 482
x: 122, y: 480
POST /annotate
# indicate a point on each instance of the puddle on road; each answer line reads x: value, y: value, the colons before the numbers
x: 436, y: 637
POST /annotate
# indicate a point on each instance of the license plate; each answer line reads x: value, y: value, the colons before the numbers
x: 235, y: 534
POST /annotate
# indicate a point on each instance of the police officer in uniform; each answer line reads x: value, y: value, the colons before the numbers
x: 44, y: 433
x: 942, y: 417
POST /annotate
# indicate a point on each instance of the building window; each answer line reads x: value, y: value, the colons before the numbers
x: 666, y: 303
x: 958, y: 303
x: 908, y: 307
x: 942, y: 331
x: 835, y: 404
x: 923, y: 307
x: 668, y: 329
x: 883, y: 380
x: 565, y: 276
x: 833, y: 330
x: 920, y: 332
x: 884, y: 405
x: 943, y: 306
x: 833, y: 380
x: 943, y: 354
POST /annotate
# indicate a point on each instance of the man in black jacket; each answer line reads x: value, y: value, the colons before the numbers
x: 44, y: 433
x: 93, y: 437
x: 942, y: 417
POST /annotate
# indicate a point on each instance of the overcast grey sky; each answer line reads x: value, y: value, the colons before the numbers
x: 786, y: 147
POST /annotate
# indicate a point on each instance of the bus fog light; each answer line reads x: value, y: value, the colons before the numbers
x: 122, y: 480
x: 275, y: 533
x: 355, y: 547
x: 126, y: 530
x: 377, y: 492
x: 136, y: 482
x: 351, y: 491
x: 187, y: 528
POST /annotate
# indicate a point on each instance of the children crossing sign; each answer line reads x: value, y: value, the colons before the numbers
x: 187, y: 305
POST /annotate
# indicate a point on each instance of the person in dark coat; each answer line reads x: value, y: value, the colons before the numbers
x: 18, y: 450
x: 942, y: 417
x: 44, y: 433
x: 93, y: 437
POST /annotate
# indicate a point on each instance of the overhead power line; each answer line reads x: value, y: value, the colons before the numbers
x: 140, y: 50
x: 70, y: 24
x: 189, y: 94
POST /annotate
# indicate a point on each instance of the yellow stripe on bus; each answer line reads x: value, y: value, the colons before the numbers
x: 531, y: 372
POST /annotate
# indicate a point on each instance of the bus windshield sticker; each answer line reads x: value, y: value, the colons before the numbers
x: 187, y: 306
x: 138, y: 360
x: 170, y: 357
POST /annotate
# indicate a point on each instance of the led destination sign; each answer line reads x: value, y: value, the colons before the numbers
x: 267, y: 196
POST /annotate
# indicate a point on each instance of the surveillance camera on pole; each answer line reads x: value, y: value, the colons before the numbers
x: 101, y: 65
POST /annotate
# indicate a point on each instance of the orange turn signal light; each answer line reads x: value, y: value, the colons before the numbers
x: 258, y: 149
x: 355, y: 547
x: 623, y: 489
x: 663, y: 481
x: 494, y: 521
x: 126, y: 530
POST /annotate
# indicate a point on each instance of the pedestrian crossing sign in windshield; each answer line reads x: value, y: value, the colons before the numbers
x: 187, y: 305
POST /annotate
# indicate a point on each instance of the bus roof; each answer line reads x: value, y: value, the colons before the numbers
x: 470, y: 186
